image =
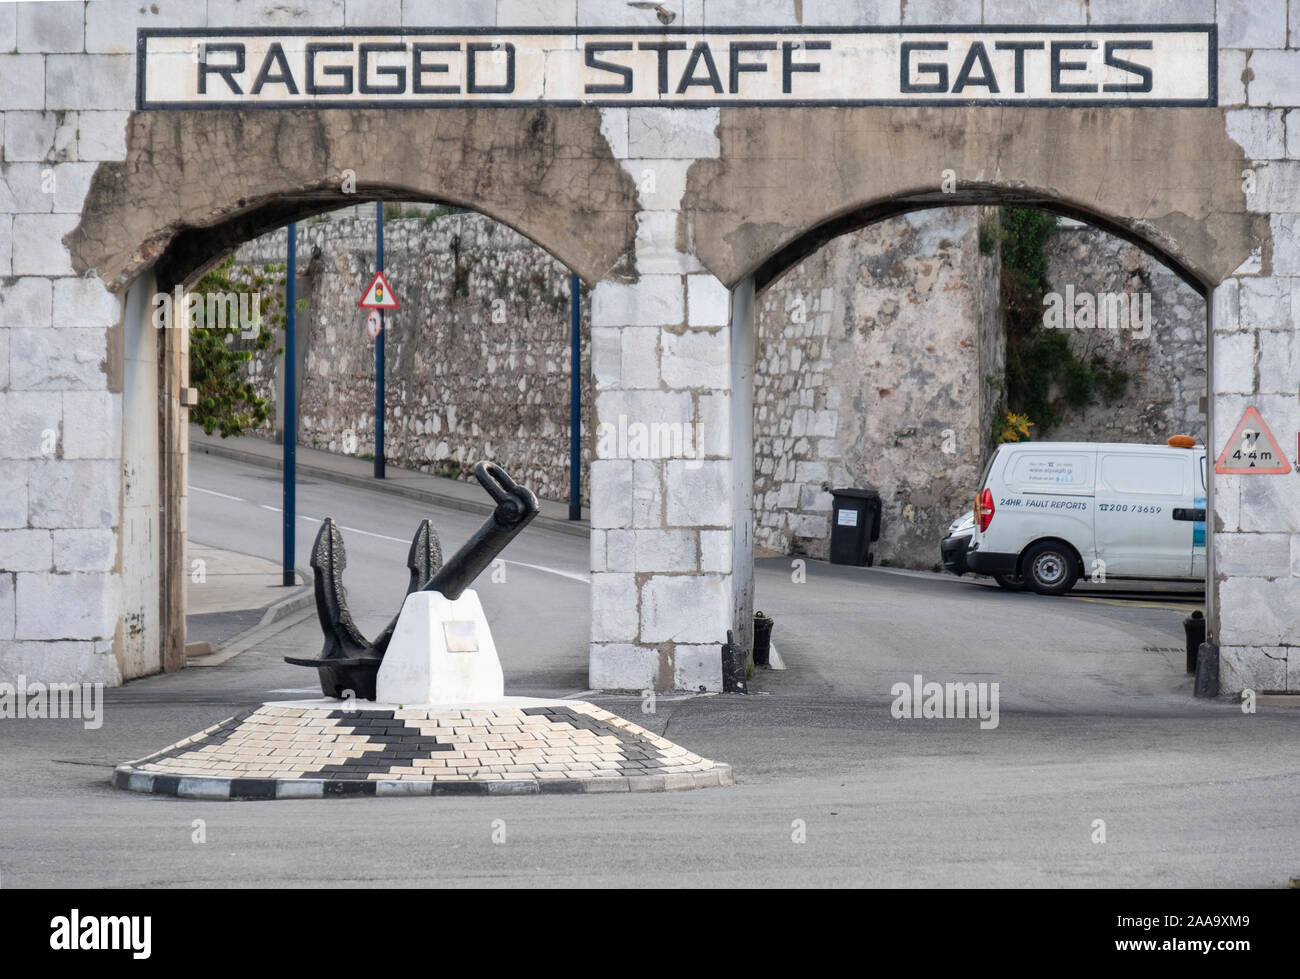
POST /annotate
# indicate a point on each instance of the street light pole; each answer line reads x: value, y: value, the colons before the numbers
x: 379, y: 349
x: 289, y: 436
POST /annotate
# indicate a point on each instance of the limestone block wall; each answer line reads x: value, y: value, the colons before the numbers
x: 64, y: 614
x: 476, y: 359
x: 664, y: 583
x: 1255, y: 356
x: 872, y: 361
x: 669, y: 567
x: 1166, y: 368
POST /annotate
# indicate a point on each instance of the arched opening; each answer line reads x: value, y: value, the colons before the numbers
x: 476, y: 366
x: 973, y: 195
x: 881, y: 361
x: 196, y: 185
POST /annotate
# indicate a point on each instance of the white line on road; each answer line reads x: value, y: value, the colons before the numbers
x: 521, y: 564
x: 572, y: 575
x: 541, y: 567
x: 224, y: 496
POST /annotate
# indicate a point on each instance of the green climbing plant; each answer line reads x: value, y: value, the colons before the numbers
x: 227, y: 401
x: 1044, y: 376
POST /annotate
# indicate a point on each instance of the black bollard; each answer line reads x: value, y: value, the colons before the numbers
x: 762, y: 638
x: 1194, y: 627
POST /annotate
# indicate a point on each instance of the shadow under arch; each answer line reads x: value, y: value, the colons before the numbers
x: 814, y: 238
x: 196, y: 184
x: 193, y: 251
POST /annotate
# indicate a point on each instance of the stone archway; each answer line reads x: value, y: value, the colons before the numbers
x: 738, y: 189
x: 197, y: 184
x: 757, y: 209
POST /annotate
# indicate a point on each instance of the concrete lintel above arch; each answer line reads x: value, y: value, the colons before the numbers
x: 195, y: 184
x: 790, y: 179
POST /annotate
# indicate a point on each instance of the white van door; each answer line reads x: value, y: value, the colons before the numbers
x: 1137, y: 529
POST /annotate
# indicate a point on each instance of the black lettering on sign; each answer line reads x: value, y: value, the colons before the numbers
x: 1142, y: 71
x: 662, y: 48
x: 593, y: 48
x: 700, y: 51
x: 789, y: 66
x: 986, y: 79
x: 283, y: 76
x: 228, y: 72
x: 737, y: 66
x: 1019, y: 47
x: 398, y: 73
x: 340, y: 71
x: 419, y: 68
x: 1059, y: 66
x: 471, y: 57
x: 940, y: 70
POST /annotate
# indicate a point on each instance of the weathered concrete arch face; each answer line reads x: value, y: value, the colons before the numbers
x: 788, y: 180
x: 672, y: 212
x: 196, y: 184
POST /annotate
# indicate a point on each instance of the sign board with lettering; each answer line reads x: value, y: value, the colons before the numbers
x: 1252, y: 450
x: 1160, y: 65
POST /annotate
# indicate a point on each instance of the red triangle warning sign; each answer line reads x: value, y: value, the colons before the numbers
x: 379, y: 294
x: 1252, y: 450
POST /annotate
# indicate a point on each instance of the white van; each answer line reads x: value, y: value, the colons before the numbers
x: 1052, y: 512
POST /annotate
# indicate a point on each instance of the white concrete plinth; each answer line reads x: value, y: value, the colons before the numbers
x: 441, y: 652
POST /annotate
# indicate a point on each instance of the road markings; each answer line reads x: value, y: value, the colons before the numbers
x: 541, y: 567
x: 572, y: 575
x: 224, y: 496
x: 1128, y: 603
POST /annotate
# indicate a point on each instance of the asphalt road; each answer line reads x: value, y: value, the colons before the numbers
x: 1096, y: 723
x: 539, y: 595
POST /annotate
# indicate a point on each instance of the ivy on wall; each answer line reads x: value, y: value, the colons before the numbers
x: 226, y: 401
x: 1044, y: 376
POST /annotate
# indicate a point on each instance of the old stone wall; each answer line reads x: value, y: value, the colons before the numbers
x: 476, y: 359
x: 875, y: 357
x: 1164, y: 360
x: 96, y: 198
x: 872, y: 359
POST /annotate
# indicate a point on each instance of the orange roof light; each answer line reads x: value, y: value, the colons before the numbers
x: 1182, y: 442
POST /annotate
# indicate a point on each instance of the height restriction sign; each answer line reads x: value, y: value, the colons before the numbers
x: 379, y: 294
x: 1252, y: 450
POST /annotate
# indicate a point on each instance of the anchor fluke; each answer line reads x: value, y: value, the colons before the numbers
x: 347, y: 661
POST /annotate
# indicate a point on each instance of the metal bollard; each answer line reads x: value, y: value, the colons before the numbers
x: 1194, y: 627
x: 762, y: 638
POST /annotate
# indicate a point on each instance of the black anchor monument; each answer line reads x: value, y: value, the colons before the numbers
x: 313, y: 749
x: 349, y: 661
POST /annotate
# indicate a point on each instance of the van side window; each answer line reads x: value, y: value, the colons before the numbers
x: 1151, y: 475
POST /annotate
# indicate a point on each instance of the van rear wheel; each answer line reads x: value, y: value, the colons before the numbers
x: 1049, y: 568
